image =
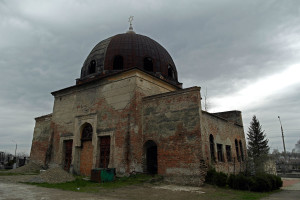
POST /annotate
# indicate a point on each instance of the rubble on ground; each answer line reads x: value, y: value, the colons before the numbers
x: 31, y: 167
x: 53, y: 175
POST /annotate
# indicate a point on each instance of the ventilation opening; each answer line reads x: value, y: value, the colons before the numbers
x: 118, y: 63
x: 92, y: 68
x: 150, y: 149
x: 148, y: 64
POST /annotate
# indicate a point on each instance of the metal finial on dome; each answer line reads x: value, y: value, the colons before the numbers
x: 130, y: 19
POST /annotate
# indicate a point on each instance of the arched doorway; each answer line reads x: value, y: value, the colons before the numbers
x: 86, y: 156
x: 150, y: 150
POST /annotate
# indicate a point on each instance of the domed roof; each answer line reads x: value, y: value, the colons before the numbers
x: 126, y: 51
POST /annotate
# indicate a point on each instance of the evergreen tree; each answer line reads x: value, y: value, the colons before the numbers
x: 258, y: 148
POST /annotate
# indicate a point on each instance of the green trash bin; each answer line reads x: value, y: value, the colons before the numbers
x: 102, y: 175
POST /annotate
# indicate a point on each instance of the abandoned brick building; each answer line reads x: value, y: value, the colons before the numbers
x: 129, y: 112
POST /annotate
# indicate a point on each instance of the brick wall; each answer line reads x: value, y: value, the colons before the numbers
x: 172, y: 121
x: 86, y: 158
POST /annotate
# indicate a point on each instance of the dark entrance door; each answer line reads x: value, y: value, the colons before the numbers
x: 104, y: 151
x: 151, y: 156
x: 68, y: 154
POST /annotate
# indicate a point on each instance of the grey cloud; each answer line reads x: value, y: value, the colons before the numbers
x: 221, y: 45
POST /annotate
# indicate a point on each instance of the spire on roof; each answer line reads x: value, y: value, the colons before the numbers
x: 130, y: 19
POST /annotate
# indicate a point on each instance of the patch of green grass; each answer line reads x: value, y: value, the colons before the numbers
x: 7, y: 173
x: 82, y: 185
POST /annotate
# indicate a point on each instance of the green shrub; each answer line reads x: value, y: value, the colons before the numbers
x: 240, y: 182
x: 278, y: 182
x: 221, y: 179
x: 272, y: 180
x: 210, y: 177
x: 232, y: 181
x: 260, y: 183
x: 216, y: 178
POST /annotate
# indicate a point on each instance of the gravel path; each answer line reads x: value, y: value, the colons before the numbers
x: 290, y: 190
x: 16, y: 191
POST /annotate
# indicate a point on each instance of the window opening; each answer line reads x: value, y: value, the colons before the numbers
x: 212, y: 148
x: 220, y: 152
x: 241, y: 149
x: 118, y: 63
x: 148, y: 64
x: 87, y: 132
x: 171, y: 72
x: 228, y: 153
x: 92, y: 68
x: 237, y: 150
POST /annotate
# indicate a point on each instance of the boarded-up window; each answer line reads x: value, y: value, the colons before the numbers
x: 104, y: 151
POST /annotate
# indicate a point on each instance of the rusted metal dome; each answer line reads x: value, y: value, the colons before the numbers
x: 126, y: 51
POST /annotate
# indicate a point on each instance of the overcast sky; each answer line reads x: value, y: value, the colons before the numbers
x: 246, y: 54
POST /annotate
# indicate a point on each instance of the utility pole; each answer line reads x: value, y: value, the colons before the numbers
x: 15, y: 153
x: 282, y: 135
x: 283, y: 144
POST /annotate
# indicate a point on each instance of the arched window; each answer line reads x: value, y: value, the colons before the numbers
x: 92, y: 67
x: 87, y: 132
x: 212, y: 147
x: 118, y: 63
x: 237, y: 150
x: 241, y: 149
x: 171, y: 73
x: 148, y: 64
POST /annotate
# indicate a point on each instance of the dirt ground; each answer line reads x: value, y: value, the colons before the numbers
x: 10, y: 189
